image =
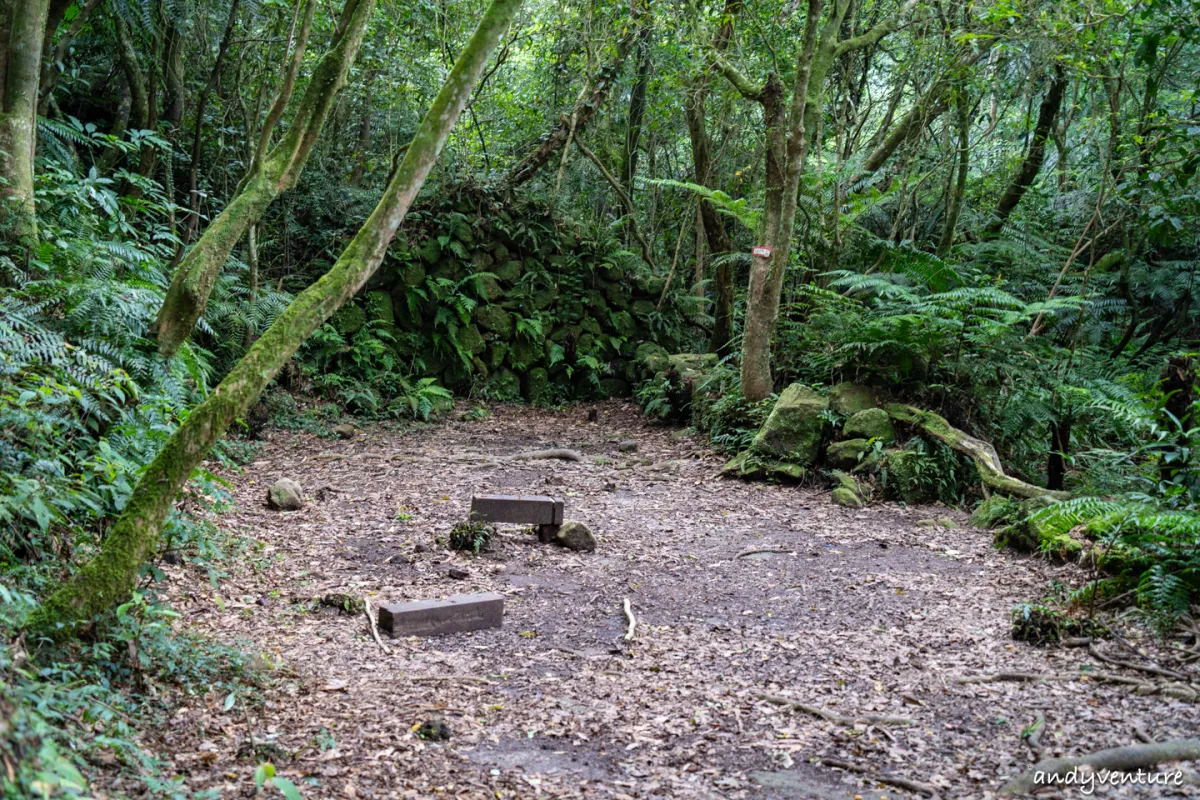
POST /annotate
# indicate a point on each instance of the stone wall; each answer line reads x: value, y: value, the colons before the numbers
x: 481, y: 292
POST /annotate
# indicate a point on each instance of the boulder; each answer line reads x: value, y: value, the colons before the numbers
x: 747, y: 464
x: 543, y: 297
x: 494, y: 319
x: 523, y: 354
x: 692, y: 365
x: 509, y: 271
x: 642, y: 308
x: 285, y: 495
x: 651, y: 285
x: 575, y: 536
x: 505, y: 385
x: 618, y: 295
x: 471, y: 340
x: 344, y: 431
x: 614, y: 387
x: 349, y: 319
x: 622, y: 323
x: 847, y: 454
x: 591, y: 325
x: 627, y: 446
x: 413, y: 273
x: 851, y: 398
x: 494, y: 356
x: 846, y: 498
x: 871, y: 423
x: 792, y: 431
x: 482, y: 261
x: 652, y: 358
x: 490, y: 288
x: 379, y: 308
x: 430, y: 251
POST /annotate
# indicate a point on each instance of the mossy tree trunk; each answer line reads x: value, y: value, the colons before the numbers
x: 22, y: 30
x: 270, y: 175
x: 788, y: 135
x: 109, y: 577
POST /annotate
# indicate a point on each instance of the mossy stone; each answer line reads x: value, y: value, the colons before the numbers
x: 490, y: 288
x: 591, y: 325
x: 536, y: 385
x: 871, y: 423
x: 462, y: 231
x: 748, y: 465
x: 851, y: 398
x: 379, y: 308
x: 430, y: 251
x: 618, y: 295
x: 544, y: 296
x: 494, y: 319
x: 846, y: 498
x: 505, y: 385
x: 847, y: 454
x: 651, y: 285
x: 622, y: 324
x: 524, y: 354
x: 652, y: 358
x: 902, y: 478
x: 482, y: 261
x: 471, y: 340
x: 412, y: 273
x: 995, y: 510
x: 495, y: 354
x: 349, y: 319
x: 456, y: 375
x: 792, y: 431
x: 691, y: 366
x: 509, y: 271
x: 614, y: 387
x: 642, y: 308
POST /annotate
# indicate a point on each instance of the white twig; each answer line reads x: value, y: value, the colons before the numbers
x: 374, y: 629
x: 632, y: 620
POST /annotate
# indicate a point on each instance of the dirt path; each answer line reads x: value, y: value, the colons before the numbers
x: 866, y: 613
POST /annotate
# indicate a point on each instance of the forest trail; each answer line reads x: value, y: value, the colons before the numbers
x: 866, y: 613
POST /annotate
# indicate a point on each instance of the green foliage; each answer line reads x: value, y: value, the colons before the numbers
x: 473, y: 536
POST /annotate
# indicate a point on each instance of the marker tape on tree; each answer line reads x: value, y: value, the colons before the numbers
x: 762, y: 251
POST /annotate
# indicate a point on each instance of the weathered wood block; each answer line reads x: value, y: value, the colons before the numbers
x: 522, y: 509
x: 464, y: 612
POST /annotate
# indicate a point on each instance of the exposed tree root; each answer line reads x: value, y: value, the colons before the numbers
x: 374, y: 628
x: 891, y: 780
x: 1095, y: 653
x: 755, y: 550
x: 1179, y: 691
x: 1033, y: 734
x: 984, y: 455
x: 1115, y: 759
x: 867, y: 719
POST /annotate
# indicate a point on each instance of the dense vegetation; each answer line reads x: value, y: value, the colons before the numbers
x: 988, y: 210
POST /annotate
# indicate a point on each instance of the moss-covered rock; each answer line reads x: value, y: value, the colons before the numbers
x: 847, y: 454
x: 412, y: 273
x: 379, y: 308
x: 349, y: 319
x: 618, y: 295
x: 495, y: 354
x: 651, y: 285
x: 470, y: 340
x: 994, y: 511
x: 691, y: 366
x: 462, y: 231
x: 482, y: 261
x: 591, y: 325
x: 792, y: 431
x: 544, y: 296
x: 535, y: 386
x: 490, y: 288
x: 622, y: 323
x: 871, y: 423
x: 430, y: 251
x: 504, y: 385
x: 846, y: 498
x: 651, y: 358
x: 614, y: 387
x: 509, y: 271
x: 1032, y: 533
x: 494, y: 319
x: 456, y: 374
x: 524, y: 354
x: 642, y: 308
x: 903, y: 478
x: 851, y: 398
x: 750, y: 466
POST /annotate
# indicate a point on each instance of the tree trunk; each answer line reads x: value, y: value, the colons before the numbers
x: 1060, y: 448
x: 959, y: 190
x: 1032, y: 164
x: 574, y: 123
x: 717, y: 237
x: 270, y: 176
x: 52, y: 58
x: 22, y: 30
x: 109, y: 577
x: 1178, y: 385
x: 637, y: 99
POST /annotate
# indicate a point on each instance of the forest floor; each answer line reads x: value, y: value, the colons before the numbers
x: 863, y: 613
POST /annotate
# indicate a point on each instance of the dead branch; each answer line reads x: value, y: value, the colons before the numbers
x: 1115, y: 759
x: 1033, y: 734
x: 751, y: 552
x: 559, y: 453
x: 374, y: 627
x: 829, y: 716
x: 632, y: 620
x: 891, y: 780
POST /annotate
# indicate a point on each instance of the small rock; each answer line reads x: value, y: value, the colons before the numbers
x: 344, y: 431
x: 420, y: 547
x: 575, y: 536
x: 593, y: 415
x: 458, y: 574
x: 610, y: 487
x: 627, y: 446
x: 947, y: 522
x: 926, y: 523
x: 434, y: 730
x: 846, y: 498
x: 285, y: 495
x: 173, y: 558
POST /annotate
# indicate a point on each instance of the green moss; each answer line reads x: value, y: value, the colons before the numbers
x: 851, y: 398
x: 494, y: 319
x: 413, y: 273
x: 847, y: 454
x: 871, y: 423
x: 379, y: 308
x: 793, y: 430
x: 470, y: 340
x: 509, y: 271
x: 349, y: 320
x: 750, y: 466
x: 846, y: 498
x: 995, y: 510
x: 536, y: 385
x: 430, y: 251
